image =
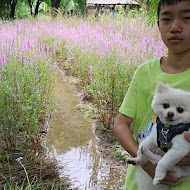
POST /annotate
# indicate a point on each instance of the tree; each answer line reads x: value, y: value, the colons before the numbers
x: 37, y: 7
x: 81, y: 5
x: 12, y: 4
x: 7, y: 8
x: 30, y: 2
x: 4, y: 8
x: 34, y: 5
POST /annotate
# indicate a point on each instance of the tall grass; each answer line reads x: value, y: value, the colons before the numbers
x: 24, y: 103
x: 31, y: 174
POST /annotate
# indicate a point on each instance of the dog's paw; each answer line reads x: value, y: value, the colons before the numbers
x: 143, y: 150
x: 159, y: 175
x: 132, y: 161
x: 156, y: 182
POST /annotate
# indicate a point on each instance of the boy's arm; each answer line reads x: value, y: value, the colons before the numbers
x: 168, y: 180
x: 186, y: 160
x: 123, y: 134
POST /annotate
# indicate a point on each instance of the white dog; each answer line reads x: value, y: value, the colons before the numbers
x: 172, y: 107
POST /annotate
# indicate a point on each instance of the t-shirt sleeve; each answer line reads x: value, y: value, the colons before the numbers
x: 129, y: 104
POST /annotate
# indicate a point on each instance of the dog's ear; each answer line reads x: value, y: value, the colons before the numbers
x: 161, y: 88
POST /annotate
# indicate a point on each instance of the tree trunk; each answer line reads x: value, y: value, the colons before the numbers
x: 12, y: 4
x: 30, y: 2
x: 54, y: 7
x: 37, y: 8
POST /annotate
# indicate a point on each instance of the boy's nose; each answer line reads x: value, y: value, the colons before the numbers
x: 175, y: 26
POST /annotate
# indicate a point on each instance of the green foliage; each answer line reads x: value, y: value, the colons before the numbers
x: 4, y: 8
x: 78, y: 6
x: 22, y: 9
x: 150, y: 8
x: 24, y: 102
x: 118, y: 152
x: 152, y: 14
x: 108, y: 86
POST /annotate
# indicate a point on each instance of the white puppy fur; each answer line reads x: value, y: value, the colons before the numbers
x: 172, y: 106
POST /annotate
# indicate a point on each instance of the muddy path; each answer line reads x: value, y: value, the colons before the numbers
x: 72, y: 142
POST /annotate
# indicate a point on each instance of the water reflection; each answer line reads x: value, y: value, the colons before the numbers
x: 72, y: 142
x: 88, y: 170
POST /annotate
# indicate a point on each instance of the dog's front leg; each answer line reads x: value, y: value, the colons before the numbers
x: 167, y: 162
x: 140, y: 159
x: 151, y: 156
x: 148, y: 144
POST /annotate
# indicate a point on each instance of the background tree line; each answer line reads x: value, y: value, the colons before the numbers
x: 18, y: 8
x: 10, y: 9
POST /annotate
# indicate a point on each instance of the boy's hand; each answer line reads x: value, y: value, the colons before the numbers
x: 171, y: 180
x: 168, y: 180
x: 186, y: 160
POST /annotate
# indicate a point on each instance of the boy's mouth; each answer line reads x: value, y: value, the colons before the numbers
x: 175, y: 39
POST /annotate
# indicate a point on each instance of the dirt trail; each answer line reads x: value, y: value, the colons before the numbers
x: 72, y: 142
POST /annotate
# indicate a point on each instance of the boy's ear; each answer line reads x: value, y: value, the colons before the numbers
x: 161, y: 88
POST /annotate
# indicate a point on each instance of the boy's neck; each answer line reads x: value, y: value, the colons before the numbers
x: 175, y: 63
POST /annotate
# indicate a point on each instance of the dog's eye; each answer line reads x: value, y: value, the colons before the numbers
x: 165, y: 106
x: 180, y: 110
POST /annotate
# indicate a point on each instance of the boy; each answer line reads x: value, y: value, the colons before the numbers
x: 173, y: 69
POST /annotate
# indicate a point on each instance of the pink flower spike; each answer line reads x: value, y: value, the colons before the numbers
x: 19, y: 159
x: 70, y: 59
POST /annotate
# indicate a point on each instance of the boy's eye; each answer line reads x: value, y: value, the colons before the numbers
x: 166, y: 105
x: 166, y: 19
x: 180, y: 110
x: 186, y: 18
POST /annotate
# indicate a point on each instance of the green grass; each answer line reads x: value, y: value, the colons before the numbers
x: 25, y: 103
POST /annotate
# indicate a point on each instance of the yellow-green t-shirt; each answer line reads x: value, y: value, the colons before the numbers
x: 137, y: 105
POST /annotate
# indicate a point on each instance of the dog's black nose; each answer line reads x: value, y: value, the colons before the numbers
x: 170, y: 114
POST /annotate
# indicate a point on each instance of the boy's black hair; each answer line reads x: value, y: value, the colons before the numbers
x: 167, y: 2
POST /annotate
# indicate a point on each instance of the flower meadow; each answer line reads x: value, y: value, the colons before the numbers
x: 103, y: 54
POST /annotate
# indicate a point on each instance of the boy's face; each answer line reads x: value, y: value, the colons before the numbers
x: 174, y: 26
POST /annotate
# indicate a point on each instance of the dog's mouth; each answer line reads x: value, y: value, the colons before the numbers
x: 169, y: 120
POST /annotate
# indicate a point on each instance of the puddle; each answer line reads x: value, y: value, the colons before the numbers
x: 72, y: 142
